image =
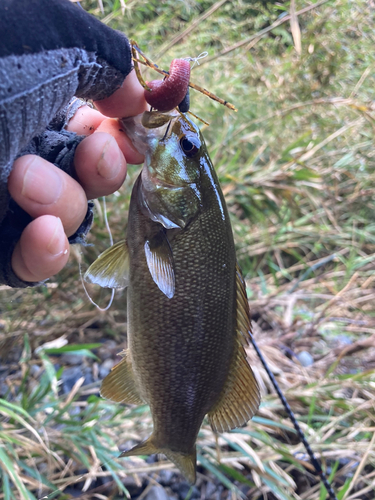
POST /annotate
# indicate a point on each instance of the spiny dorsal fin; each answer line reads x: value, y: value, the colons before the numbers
x: 119, y: 385
x: 240, y: 398
x: 160, y: 263
x: 111, y: 268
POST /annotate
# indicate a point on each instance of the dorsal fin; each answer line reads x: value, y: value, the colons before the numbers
x: 240, y: 397
x: 119, y: 385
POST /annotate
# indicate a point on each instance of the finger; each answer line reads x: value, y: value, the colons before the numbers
x: 128, y: 100
x: 100, y: 165
x: 85, y: 121
x: 88, y: 121
x: 42, y: 251
x: 40, y: 188
x: 112, y: 126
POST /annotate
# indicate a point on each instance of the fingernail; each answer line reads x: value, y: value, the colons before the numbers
x: 111, y: 160
x: 57, y: 243
x: 41, y: 183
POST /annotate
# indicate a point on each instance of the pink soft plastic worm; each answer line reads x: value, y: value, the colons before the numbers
x: 167, y: 94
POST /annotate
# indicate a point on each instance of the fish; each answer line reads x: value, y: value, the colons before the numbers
x: 188, y: 314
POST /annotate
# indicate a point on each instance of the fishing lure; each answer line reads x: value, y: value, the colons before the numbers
x: 165, y: 95
x: 140, y: 58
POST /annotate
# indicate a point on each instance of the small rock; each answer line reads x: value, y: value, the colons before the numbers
x: 184, y: 488
x: 129, y: 481
x: 72, y: 492
x: 343, y: 339
x: 210, y: 489
x: 132, y: 485
x: 35, y: 370
x: 104, y: 480
x: 74, y: 410
x: 4, y: 389
x: 106, y: 367
x: 305, y: 358
x: 245, y: 490
x: 165, y: 476
x: 151, y: 459
x: 156, y: 493
x: 70, y: 376
x: 71, y: 359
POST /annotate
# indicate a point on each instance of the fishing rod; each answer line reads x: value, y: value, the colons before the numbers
x: 296, y: 425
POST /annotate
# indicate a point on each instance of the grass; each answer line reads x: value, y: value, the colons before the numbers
x: 296, y: 164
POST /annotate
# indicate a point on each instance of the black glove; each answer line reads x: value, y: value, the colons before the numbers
x: 50, y: 51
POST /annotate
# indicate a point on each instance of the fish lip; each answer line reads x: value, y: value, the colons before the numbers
x: 136, y: 131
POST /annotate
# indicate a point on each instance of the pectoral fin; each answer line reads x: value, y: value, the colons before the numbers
x: 240, y: 398
x: 111, y: 268
x: 119, y: 385
x: 160, y: 263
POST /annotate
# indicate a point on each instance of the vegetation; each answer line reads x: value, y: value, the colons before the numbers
x: 296, y: 163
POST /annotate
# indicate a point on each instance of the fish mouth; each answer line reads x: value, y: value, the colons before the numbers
x: 147, y: 127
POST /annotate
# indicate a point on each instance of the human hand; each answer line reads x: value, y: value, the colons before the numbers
x: 56, y: 201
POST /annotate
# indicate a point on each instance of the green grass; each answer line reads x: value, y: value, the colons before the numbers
x: 296, y: 164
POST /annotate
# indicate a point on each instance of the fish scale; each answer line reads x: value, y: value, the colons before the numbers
x: 172, y: 358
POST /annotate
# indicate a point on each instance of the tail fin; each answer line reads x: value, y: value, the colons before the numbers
x: 186, y: 462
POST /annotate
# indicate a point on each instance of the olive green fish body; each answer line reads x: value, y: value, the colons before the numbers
x: 188, y: 315
x: 183, y: 341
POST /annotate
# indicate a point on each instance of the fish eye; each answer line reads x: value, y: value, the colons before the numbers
x: 190, y: 145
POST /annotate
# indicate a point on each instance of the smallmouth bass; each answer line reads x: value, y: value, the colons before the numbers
x: 188, y: 314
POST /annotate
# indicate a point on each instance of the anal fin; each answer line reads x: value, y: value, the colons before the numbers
x: 240, y: 397
x: 119, y: 385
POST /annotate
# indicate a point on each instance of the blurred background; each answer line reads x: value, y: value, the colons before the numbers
x: 296, y: 164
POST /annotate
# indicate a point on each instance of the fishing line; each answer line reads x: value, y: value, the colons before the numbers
x: 80, y: 268
x: 106, y: 221
x: 195, y: 60
x: 296, y: 425
x: 166, y: 132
